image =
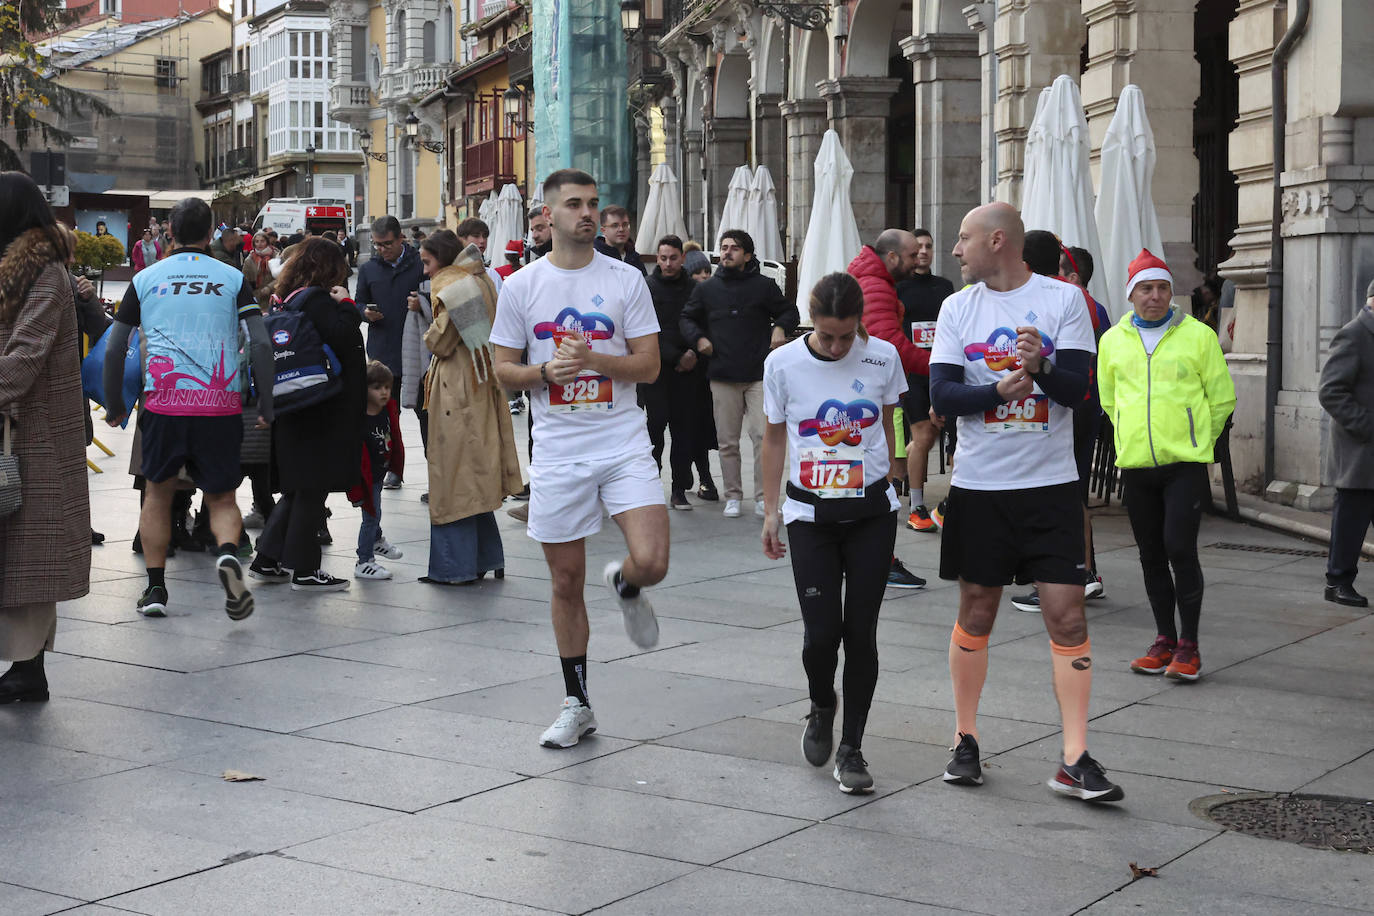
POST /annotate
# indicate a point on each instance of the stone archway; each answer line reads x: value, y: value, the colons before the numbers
x: 805, y: 121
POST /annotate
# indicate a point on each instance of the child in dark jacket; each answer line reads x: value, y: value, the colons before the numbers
x: 382, y: 451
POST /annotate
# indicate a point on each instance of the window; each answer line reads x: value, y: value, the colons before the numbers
x: 243, y: 9
x: 401, y: 38
x: 165, y: 73
x: 446, y: 32
x: 427, y: 42
x: 109, y: 7
x: 359, y: 54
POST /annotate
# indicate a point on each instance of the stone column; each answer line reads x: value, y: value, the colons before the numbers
x: 1152, y: 48
x: 859, y: 110
x: 727, y: 148
x: 805, y: 122
x: 642, y: 163
x: 771, y: 146
x: 691, y: 179
x: 948, y: 151
x: 671, y: 140
x: 1254, y: 32
x: 1054, y: 30
x: 980, y: 19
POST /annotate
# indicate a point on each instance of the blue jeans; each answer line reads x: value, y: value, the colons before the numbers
x: 371, y: 528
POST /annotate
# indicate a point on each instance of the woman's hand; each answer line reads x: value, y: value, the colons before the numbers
x: 773, y: 547
x: 339, y: 293
x: 413, y: 302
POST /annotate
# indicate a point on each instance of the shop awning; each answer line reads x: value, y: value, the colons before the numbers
x: 166, y: 199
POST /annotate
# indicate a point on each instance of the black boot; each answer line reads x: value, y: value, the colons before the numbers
x: 25, y: 682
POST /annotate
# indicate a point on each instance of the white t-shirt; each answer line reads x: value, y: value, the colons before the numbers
x: 1151, y: 337
x: 607, y: 302
x: 833, y: 410
x: 1029, y: 443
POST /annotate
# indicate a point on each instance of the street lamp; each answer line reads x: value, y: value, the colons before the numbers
x: 310, y: 170
x: 415, y: 141
x: 365, y: 144
x: 631, y: 17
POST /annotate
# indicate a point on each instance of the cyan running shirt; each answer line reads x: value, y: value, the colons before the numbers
x: 189, y: 306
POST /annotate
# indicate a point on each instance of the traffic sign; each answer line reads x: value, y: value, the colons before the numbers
x: 58, y: 195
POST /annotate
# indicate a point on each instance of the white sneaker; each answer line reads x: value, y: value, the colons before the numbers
x: 574, y: 721
x: 640, y: 623
x: 370, y: 569
x: 758, y: 508
x: 383, y: 548
x: 731, y: 508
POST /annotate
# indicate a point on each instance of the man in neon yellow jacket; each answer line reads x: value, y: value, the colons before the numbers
x: 1166, y: 389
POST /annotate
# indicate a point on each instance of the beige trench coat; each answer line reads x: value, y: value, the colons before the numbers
x: 473, y: 461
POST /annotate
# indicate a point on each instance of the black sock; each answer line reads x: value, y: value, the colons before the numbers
x: 227, y: 549
x: 155, y: 576
x: 575, y: 678
x: 623, y: 588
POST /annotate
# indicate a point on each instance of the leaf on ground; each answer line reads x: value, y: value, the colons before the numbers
x: 240, y: 776
x: 1138, y: 872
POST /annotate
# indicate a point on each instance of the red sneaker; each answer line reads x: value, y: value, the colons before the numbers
x: 920, y: 520
x: 1156, y: 660
x: 1186, y: 664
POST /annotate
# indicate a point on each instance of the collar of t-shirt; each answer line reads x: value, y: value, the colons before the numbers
x: 825, y: 359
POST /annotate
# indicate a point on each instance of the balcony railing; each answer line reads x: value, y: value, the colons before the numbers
x: 238, y: 83
x: 413, y: 82
x: 239, y: 160
x: 492, y: 7
x: 488, y: 164
x: 348, y: 99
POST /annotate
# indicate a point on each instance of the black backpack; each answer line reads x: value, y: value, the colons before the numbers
x: 307, y: 371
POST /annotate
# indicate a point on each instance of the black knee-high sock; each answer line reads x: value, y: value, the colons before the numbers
x: 575, y: 678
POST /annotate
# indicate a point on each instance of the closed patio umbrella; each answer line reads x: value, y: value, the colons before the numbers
x: 761, y: 216
x: 507, y: 221
x: 1125, y: 212
x: 1057, y: 193
x: 832, y: 235
x: 736, y: 202
x: 662, y: 210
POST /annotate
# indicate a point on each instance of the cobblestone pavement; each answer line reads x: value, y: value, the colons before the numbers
x: 395, y: 728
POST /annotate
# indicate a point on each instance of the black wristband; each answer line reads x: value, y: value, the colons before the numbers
x: 543, y: 372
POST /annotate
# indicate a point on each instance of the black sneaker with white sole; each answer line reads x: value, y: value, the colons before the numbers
x: 1087, y: 780
x: 317, y: 581
x: 851, y: 771
x: 1028, y: 603
x: 238, y: 600
x: 898, y: 576
x: 154, y: 602
x: 818, y: 739
x: 965, y: 769
x: 274, y: 573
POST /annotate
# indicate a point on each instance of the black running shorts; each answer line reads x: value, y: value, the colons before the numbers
x: 208, y: 447
x: 916, y: 401
x: 997, y: 537
x: 1087, y: 420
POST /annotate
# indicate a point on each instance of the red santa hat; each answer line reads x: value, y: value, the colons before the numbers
x: 1146, y: 267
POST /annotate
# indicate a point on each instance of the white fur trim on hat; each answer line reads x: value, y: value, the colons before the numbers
x: 1149, y: 273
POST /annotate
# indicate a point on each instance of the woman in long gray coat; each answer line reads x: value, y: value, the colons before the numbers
x: 45, y: 546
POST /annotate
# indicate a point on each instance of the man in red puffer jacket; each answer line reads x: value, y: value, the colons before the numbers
x: 878, y: 268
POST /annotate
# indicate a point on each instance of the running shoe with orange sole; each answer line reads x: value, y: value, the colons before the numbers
x: 1186, y: 664
x: 920, y: 520
x: 938, y: 516
x: 1157, y: 658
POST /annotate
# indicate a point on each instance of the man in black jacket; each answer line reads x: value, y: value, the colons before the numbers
x: 674, y: 399
x: 615, y: 237
x: 735, y: 318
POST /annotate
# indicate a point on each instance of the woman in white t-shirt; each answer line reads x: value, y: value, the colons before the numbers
x: 829, y: 397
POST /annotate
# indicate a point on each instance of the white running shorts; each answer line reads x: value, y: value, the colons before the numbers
x: 566, y: 499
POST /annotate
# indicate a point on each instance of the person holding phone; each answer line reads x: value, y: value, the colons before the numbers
x: 385, y: 282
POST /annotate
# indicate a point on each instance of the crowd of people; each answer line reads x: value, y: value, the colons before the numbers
x: 1013, y: 375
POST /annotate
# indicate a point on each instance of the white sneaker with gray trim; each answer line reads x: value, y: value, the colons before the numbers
x: 574, y: 721
x: 640, y: 623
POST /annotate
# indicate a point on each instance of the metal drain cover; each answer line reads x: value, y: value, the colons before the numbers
x: 1317, y: 821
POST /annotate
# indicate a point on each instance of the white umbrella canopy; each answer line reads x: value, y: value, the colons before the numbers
x: 1125, y: 208
x: 761, y: 216
x: 1057, y: 193
x: 506, y: 222
x: 663, y: 210
x: 832, y: 235
x: 736, y: 202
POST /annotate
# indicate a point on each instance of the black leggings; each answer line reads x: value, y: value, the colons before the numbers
x: 1165, y: 508
x: 857, y: 556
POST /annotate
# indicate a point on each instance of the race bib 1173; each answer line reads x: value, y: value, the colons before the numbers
x: 833, y: 473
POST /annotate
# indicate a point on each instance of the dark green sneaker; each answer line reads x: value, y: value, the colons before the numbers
x: 154, y: 602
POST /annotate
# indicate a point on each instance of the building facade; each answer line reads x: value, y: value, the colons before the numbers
x: 932, y: 100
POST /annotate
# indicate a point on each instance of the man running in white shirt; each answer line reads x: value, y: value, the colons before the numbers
x: 590, y: 328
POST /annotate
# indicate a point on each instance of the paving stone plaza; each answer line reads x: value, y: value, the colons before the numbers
x: 395, y: 727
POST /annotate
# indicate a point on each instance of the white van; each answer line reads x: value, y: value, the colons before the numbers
x: 289, y: 215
